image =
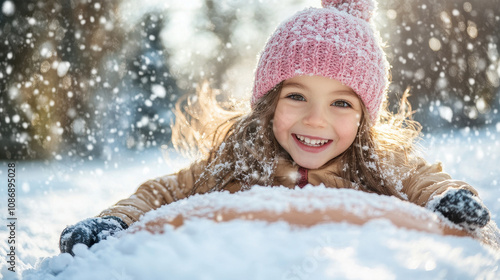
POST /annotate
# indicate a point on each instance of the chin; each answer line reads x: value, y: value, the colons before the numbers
x: 309, y: 165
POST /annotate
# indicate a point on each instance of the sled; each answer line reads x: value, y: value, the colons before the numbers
x: 308, y: 207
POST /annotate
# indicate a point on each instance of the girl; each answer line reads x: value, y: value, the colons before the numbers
x: 317, y: 117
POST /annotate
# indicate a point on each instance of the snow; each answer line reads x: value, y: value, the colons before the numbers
x: 8, y: 8
x: 56, y: 194
x: 446, y: 113
x: 158, y: 91
x: 62, y: 68
x: 256, y: 250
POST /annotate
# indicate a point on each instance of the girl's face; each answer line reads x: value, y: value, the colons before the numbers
x: 316, y: 119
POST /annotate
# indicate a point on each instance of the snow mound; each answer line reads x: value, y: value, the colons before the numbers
x: 205, y: 248
x: 301, y: 207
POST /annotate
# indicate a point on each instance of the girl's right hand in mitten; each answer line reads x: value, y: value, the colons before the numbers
x: 461, y: 207
x: 89, y: 232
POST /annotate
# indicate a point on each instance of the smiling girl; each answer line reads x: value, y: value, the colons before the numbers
x: 316, y: 119
x: 317, y: 116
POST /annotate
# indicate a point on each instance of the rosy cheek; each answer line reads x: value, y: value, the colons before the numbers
x: 349, y: 129
x: 280, y: 119
x: 279, y: 124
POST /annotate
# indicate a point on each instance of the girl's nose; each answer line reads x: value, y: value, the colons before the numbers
x: 315, y: 117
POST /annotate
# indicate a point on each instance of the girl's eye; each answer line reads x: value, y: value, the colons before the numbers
x: 296, y: 96
x: 341, y: 103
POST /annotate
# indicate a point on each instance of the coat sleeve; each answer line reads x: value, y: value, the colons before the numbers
x: 154, y: 193
x: 427, y: 180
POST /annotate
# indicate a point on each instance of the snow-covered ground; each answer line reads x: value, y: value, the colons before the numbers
x: 55, y: 194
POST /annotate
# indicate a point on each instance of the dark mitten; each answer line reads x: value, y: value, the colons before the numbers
x: 89, y: 232
x: 461, y: 207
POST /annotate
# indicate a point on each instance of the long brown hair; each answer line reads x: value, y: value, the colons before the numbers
x: 381, y: 155
x: 239, y: 146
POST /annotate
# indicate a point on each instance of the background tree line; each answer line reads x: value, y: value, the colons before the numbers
x: 91, y: 78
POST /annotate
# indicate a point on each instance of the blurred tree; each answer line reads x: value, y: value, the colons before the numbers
x: 447, y: 52
x: 140, y: 115
x: 15, y: 125
x: 220, y: 21
x: 51, y: 52
x: 233, y: 31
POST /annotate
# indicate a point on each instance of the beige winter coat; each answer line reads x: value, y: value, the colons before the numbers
x: 418, y: 185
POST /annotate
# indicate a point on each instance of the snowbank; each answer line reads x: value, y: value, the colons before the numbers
x: 202, y: 248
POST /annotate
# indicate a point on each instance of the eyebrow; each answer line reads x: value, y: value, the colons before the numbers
x: 302, y: 86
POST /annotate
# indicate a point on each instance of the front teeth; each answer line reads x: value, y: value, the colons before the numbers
x: 311, y: 142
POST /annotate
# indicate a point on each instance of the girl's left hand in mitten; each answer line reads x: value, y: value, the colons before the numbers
x: 461, y: 207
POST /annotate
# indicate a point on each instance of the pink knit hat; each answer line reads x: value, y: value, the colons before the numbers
x: 336, y: 41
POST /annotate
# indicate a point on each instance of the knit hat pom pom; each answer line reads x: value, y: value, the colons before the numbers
x: 359, y: 8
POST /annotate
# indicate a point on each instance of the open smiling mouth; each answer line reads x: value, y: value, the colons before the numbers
x: 311, y: 142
